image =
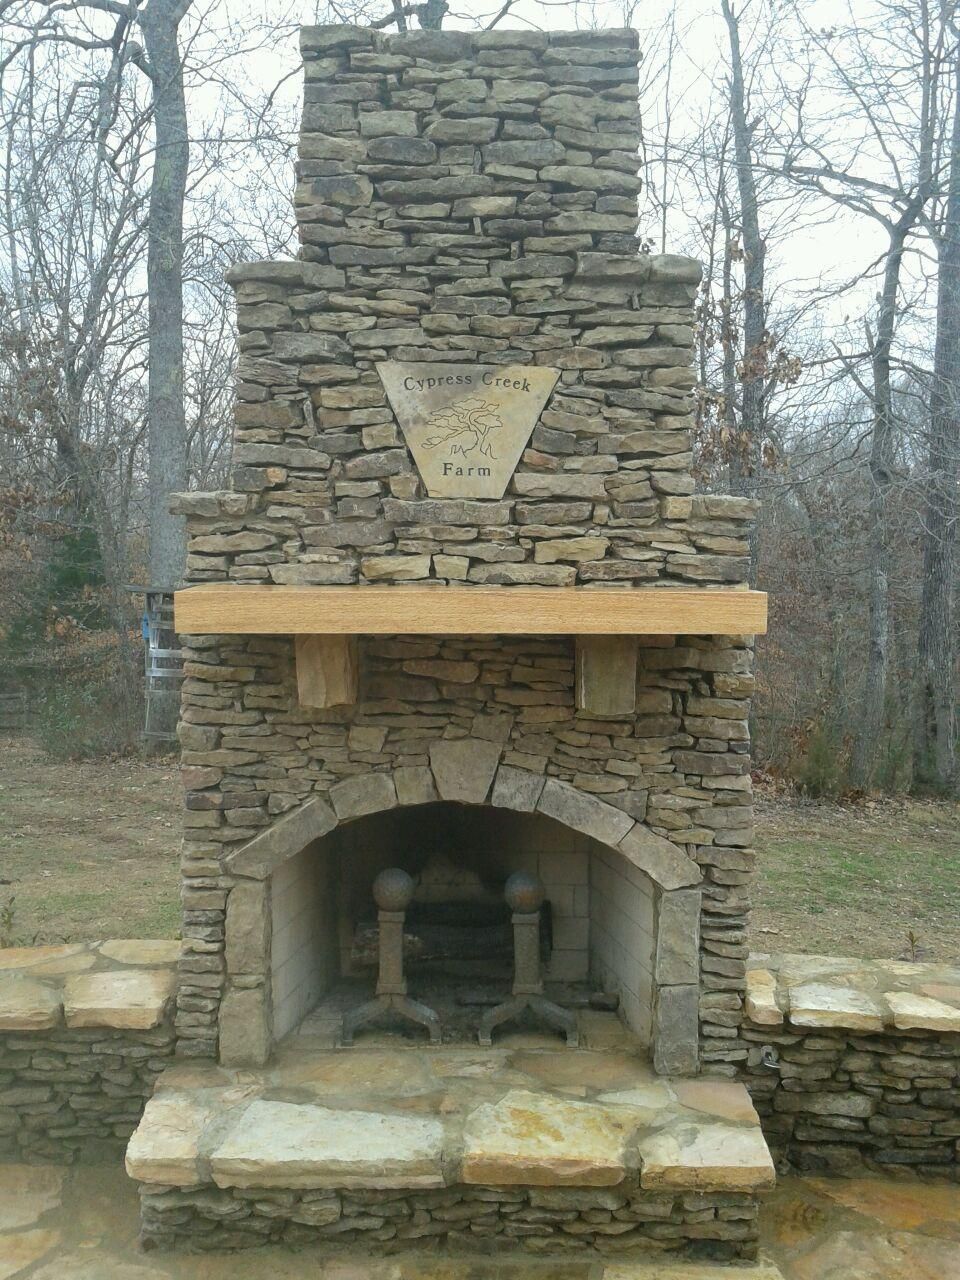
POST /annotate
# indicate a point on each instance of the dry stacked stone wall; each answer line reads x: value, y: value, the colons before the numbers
x: 680, y: 766
x: 468, y: 198
x: 76, y: 1094
x: 85, y: 1031
x: 603, y: 1220
x: 854, y: 1065
x: 846, y: 1103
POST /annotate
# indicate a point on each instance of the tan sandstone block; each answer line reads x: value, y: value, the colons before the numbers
x: 283, y: 1144
x: 586, y: 548
x: 761, y: 999
x: 817, y: 1004
x: 912, y: 1012
x: 529, y: 1139
x: 28, y: 1005
x: 707, y: 1157
x: 51, y: 961
x: 135, y: 999
x: 165, y: 1148
x: 721, y: 1099
x: 143, y: 952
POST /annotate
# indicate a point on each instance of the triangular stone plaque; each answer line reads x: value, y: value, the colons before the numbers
x: 466, y: 424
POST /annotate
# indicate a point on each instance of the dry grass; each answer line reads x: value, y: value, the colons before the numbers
x: 88, y: 850
x: 878, y: 878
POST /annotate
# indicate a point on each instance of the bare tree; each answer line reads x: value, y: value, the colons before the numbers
x: 879, y: 166
x: 122, y: 34
x: 160, y: 21
x: 753, y: 362
x: 935, y: 713
x: 73, y: 343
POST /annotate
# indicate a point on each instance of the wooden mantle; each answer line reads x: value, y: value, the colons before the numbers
x: 234, y: 609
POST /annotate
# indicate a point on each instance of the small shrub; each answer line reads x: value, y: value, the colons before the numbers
x: 822, y: 769
x: 92, y: 708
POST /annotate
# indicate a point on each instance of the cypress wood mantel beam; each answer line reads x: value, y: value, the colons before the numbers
x: 235, y: 609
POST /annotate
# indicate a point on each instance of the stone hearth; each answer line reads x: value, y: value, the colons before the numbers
x: 521, y: 1146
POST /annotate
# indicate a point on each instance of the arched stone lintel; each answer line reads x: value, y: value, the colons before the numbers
x: 260, y: 857
x: 466, y: 770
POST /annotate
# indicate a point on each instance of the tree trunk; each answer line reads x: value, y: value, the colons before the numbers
x: 432, y: 14
x: 728, y: 344
x: 748, y: 461
x: 167, y: 436
x: 935, y: 710
x: 882, y: 453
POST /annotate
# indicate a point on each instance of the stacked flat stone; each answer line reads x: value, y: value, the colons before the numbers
x: 868, y: 1063
x: 680, y: 767
x: 555, y: 1220
x: 85, y: 1030
x: 467, y: 197
x: 76, y: 1095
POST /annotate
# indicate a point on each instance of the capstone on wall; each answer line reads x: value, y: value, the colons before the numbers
x: 85, y: 1030
x: 854, y: 1065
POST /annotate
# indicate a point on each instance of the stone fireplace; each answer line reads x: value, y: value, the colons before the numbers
x: 462, y: 614
x: 622, y: 917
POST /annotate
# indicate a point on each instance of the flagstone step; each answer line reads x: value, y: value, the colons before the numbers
x: 460, y: 1143
x: 434, y: 1118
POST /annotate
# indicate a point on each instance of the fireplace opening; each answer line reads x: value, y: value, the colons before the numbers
x: 597, y: 925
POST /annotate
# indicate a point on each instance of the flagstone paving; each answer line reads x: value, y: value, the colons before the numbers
x: 82, y: 1224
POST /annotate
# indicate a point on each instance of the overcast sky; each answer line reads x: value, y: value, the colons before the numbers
x: 828, y: 245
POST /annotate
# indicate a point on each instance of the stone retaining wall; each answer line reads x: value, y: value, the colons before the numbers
x: 85, y: 1030
x: 76, y: 1094
x: 606, y: 1220
x: 869, y: 1063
